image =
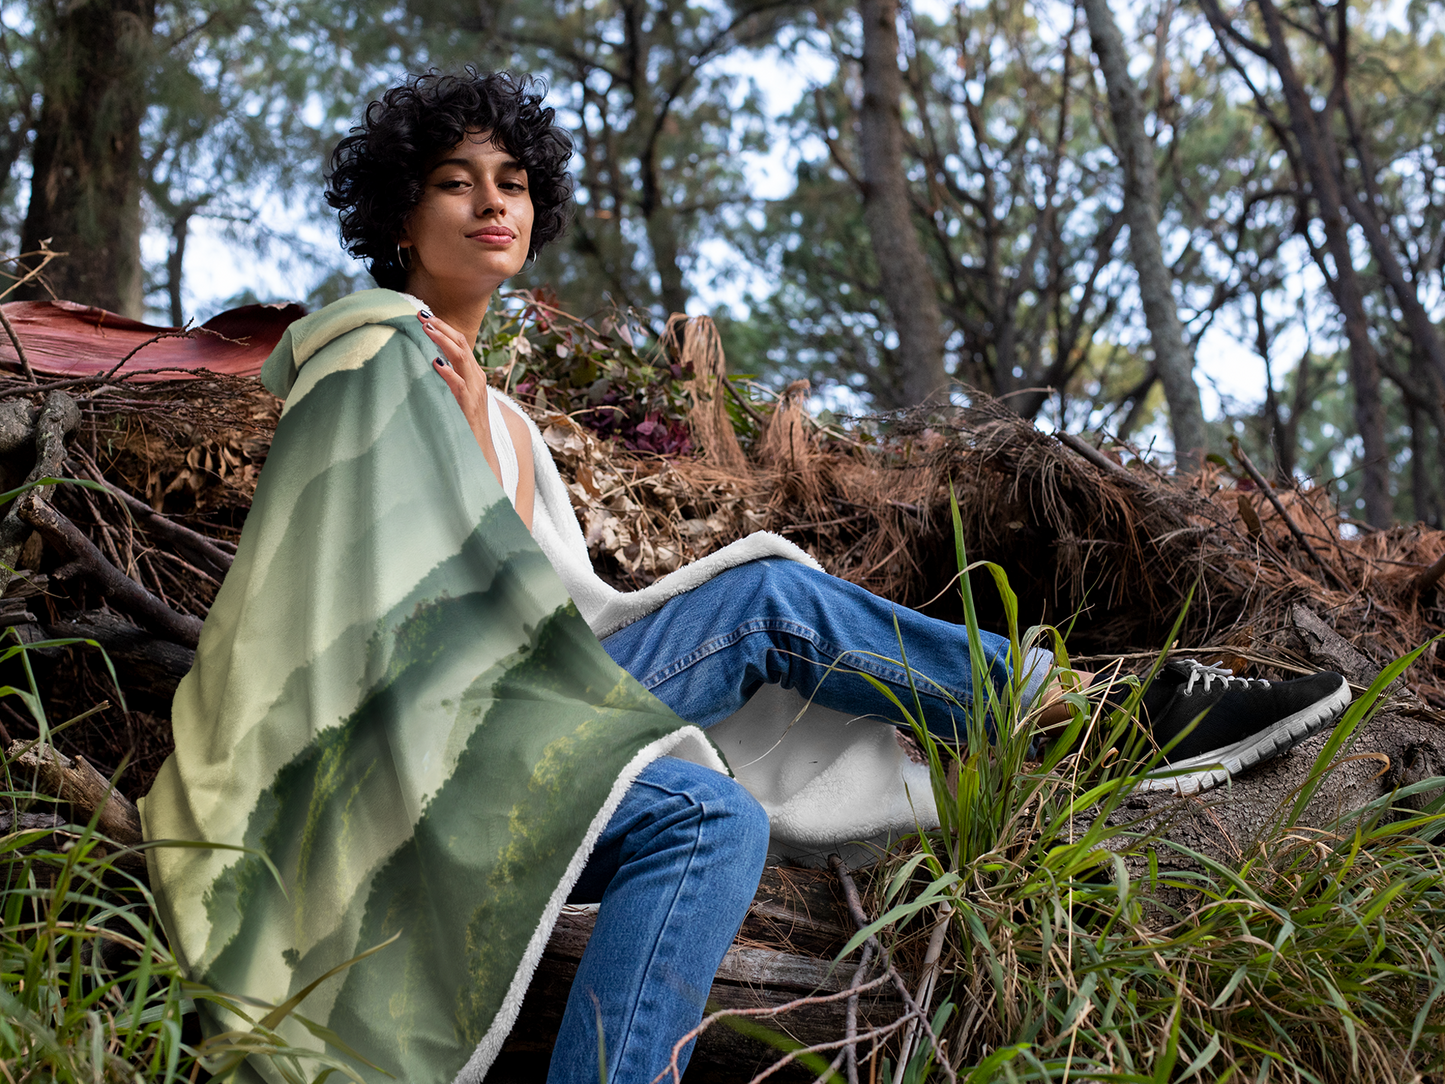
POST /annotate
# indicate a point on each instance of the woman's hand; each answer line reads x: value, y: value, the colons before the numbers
x: 459, y: 368
x: 468, y: 383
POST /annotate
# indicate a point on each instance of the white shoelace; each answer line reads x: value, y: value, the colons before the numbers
x: 1210, y: 674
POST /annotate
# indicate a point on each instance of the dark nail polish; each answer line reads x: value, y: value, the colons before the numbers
x: 424, y: 314
x: 441, y: 361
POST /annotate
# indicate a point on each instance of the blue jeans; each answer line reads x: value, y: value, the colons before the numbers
x: 704, y: 653
x: 674, y: 871
x: 679, y: 862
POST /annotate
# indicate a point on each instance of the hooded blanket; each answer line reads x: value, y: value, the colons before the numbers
x: 396, y: 702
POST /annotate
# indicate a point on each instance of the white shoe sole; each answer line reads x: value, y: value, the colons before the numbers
x: 1218, y: 765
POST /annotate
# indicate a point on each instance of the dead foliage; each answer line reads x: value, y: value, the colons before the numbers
x: 1096, y: 539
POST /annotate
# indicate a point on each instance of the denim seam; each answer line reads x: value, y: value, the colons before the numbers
x: 853, y: 659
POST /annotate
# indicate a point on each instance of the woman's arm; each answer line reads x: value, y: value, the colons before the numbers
x: 459, y: 368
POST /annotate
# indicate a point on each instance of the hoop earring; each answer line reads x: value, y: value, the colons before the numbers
x: 405, y: 265
x: 531, y: 261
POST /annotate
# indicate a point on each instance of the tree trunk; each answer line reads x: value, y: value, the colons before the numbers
x: 1141, y: 211
x: 666, y: 254
x: 85, y: 188
x: 657, y: 217
x: 1406, y: 290
x: 908, y: 284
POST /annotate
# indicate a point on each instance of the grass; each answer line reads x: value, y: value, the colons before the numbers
x: 1072, y: 943
x: 1076, y: 944
x: 90, y: 992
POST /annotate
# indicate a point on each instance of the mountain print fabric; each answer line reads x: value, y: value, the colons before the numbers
x: 395, y: 701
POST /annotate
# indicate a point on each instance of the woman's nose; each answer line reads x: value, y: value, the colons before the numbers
x: 489, y: 198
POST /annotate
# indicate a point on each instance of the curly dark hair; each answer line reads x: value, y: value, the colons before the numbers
x: 379, y: 169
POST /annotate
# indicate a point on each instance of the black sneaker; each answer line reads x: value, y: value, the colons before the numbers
x: 1249, y: 720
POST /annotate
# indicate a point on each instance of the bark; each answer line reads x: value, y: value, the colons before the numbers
x: 908, y: 284
x: 55, y: 421
x: 1422, y: 483
x: 85, y: 189
x: 1141, y: 211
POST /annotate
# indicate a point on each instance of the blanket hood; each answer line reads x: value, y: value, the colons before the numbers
x: 309, y: 335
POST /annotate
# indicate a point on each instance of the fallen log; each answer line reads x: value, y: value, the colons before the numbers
x: 785, y: 952
x: 75, y: 782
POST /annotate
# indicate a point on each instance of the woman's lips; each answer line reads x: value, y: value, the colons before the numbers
x: 494, y: 235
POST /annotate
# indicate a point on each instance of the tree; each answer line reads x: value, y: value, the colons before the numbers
x: 906, y: 280
x: 85, y: 187
x: 1012, y: 213
x: 1305, y: 133
x: 1142, y: 211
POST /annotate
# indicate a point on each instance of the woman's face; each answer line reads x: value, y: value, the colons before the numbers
x: 473, y: 226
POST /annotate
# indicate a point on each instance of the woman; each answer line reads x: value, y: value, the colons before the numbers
x: 396, y: 698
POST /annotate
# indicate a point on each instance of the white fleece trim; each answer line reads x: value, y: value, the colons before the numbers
x: 702, y: 752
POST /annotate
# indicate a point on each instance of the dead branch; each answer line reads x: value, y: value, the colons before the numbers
x: 79, y: 784
x: 1098, y: 458
x: 1268, y: 491
x: 855, y: 908
x: 124, y: 592
x: 19, y: 350
x: 1428, y: 577
x: 770, y: 1010
x: 157, y: 664
x: 46, y: 255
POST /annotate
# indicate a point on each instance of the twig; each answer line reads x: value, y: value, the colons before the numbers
x: 19, y: 350
x: 1098, y: 458
x: 1268, y: 491
x: 831, y: 1044
x: 925, y: 988
x: 770, y: 1010
x: 175, y: 558
x: 177, y: 333
x: 197, y: 543
x: 46, y: 256
x: 850, y: 1018
x: 742, y: 402
x: 860, y: 917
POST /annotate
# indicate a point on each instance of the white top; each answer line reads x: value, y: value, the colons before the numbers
x: 502, y: 443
